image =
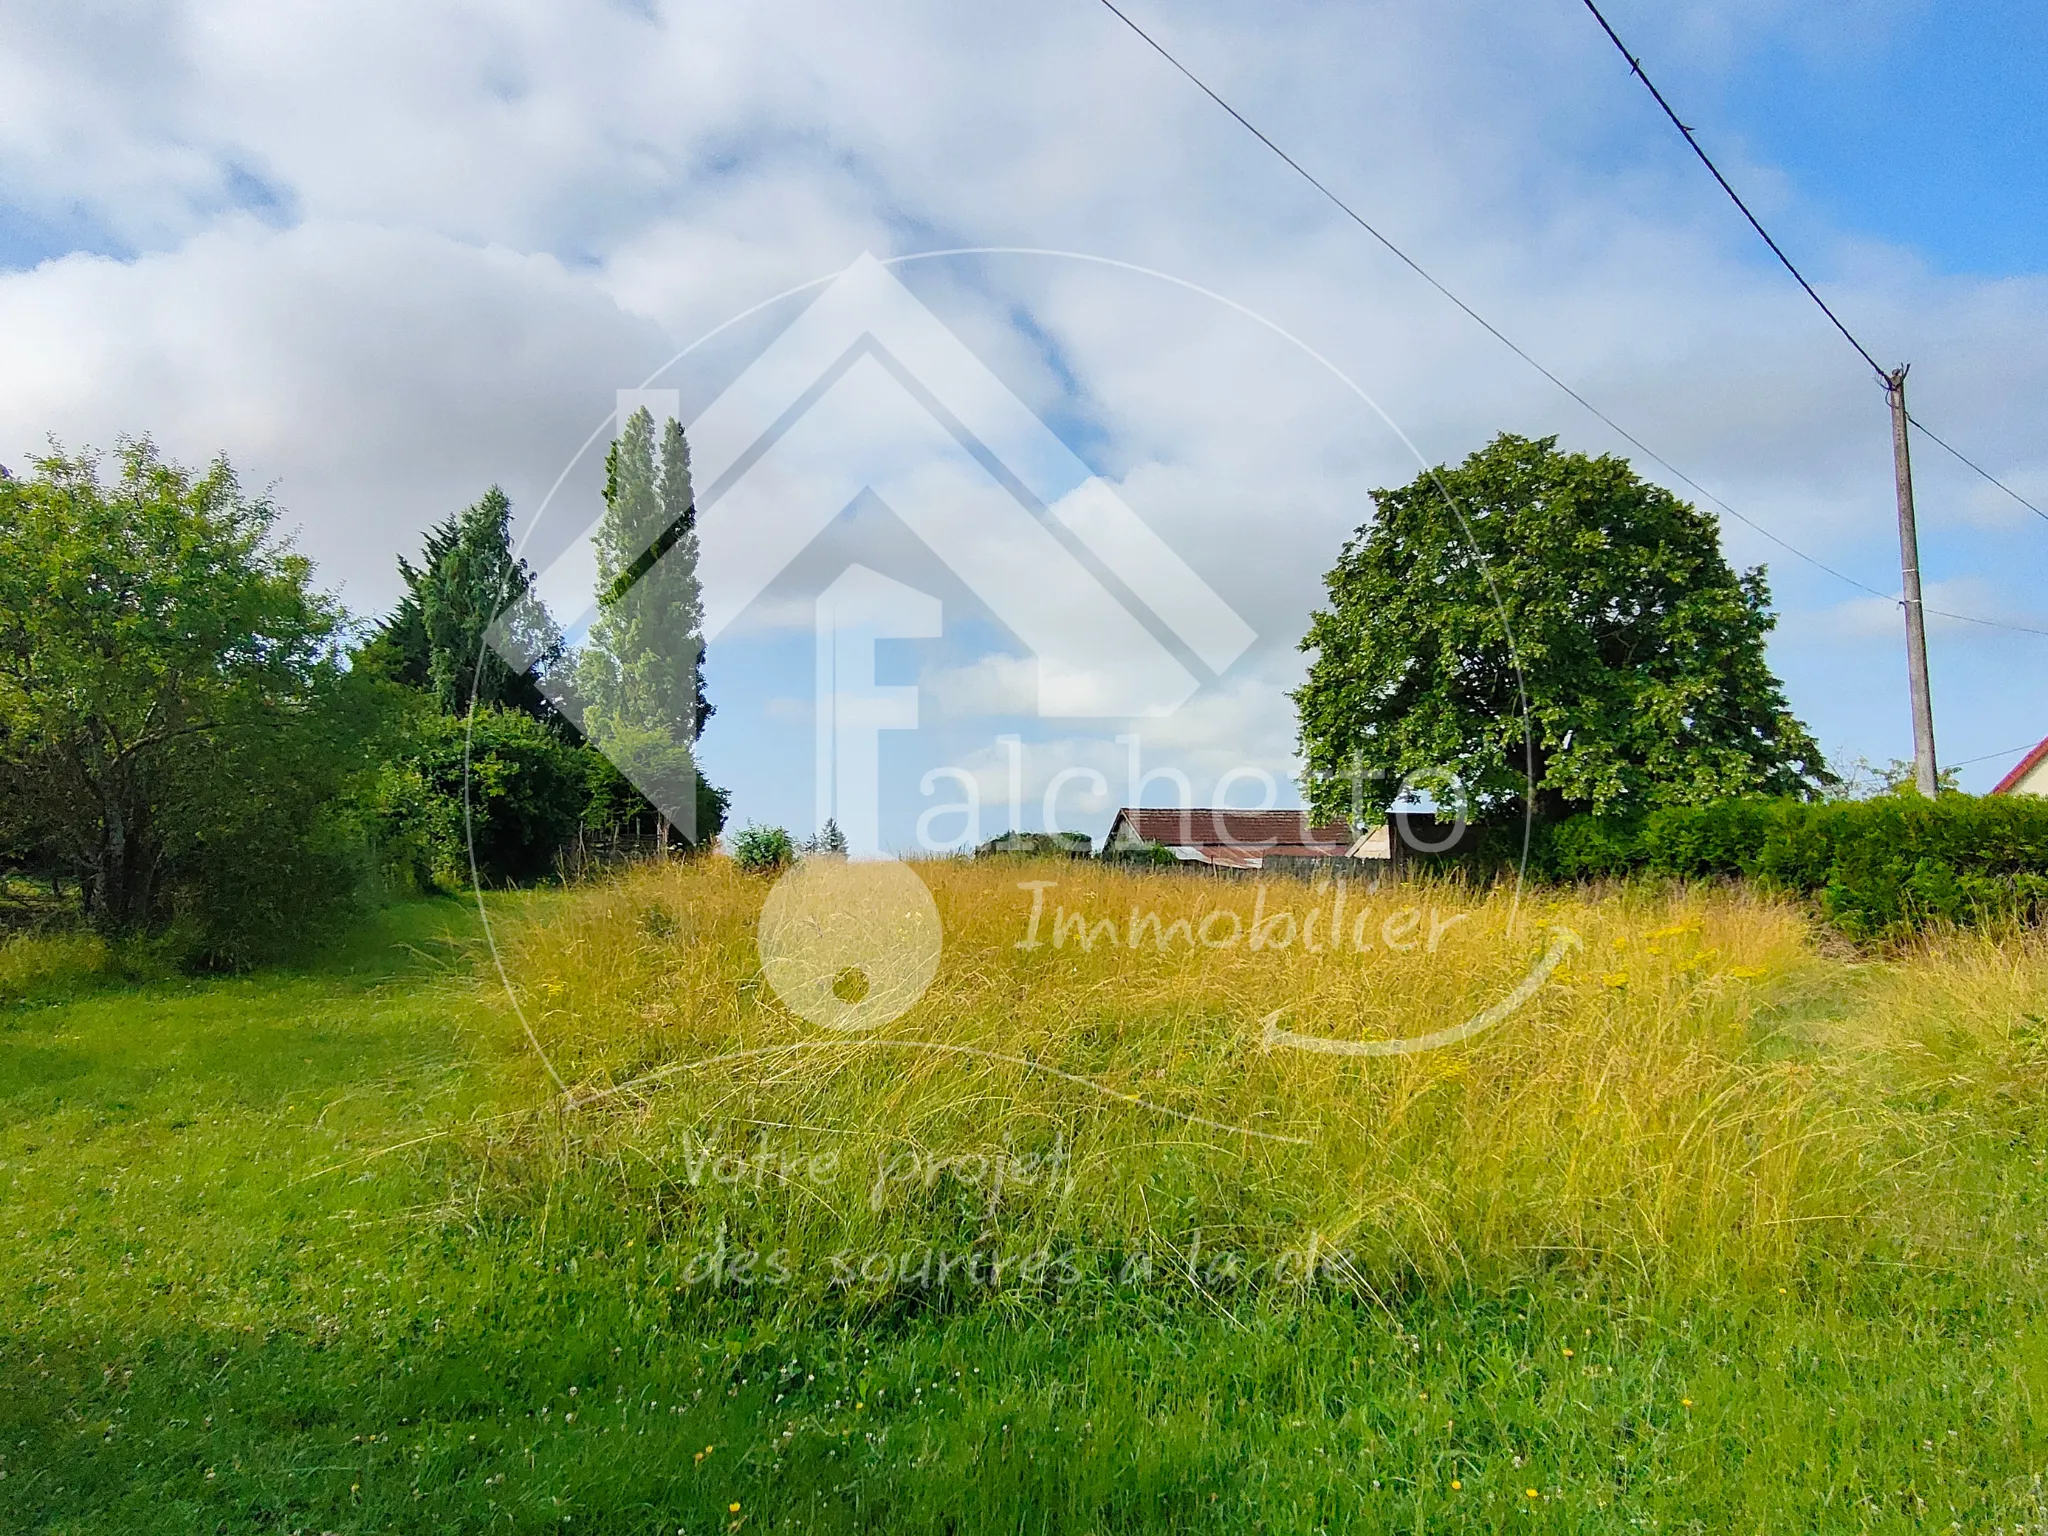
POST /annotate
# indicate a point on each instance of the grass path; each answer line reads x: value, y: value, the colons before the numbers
x: 222, y: 1310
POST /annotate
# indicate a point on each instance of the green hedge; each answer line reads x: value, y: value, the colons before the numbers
x: 508, y: 789
x: 1038, y: 845
x: 1879, y: 869
x: 526, y: 790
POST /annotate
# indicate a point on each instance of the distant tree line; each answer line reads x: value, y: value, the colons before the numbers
x: 199, y: 749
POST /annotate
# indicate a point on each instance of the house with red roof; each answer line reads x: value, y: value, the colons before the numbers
x: 1225, y: 838
x: 2029, y: 777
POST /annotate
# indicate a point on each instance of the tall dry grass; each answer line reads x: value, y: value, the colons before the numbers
x: 1671, y: 1100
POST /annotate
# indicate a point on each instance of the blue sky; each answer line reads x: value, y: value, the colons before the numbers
x: 1932, y: 134
x: 386, y: 254
x: 1922, y: 129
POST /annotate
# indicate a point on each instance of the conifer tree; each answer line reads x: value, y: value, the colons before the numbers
x: 434, y: 639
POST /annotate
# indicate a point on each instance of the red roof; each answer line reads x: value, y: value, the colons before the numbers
x: 2027, y: 765
x: 1238, y: 836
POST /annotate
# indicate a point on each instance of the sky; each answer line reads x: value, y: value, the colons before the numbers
x: 385, y: 255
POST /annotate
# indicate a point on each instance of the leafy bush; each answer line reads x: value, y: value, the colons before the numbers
x: 1879, y: 869
x: 646, y: 768
x: 527, y: 790
x: 763, y: 850
x: 178, y: 734
x: 1144, y: 854
x: 1045, y: 845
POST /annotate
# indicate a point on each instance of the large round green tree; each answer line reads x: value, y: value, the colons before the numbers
x: 179, y: 734
x: 1540, y: 619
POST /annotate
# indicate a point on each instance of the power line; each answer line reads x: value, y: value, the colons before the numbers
x: 1992, y: 756
x: 1635, y: 65
x: 1958, y: 455
x: 1353, y: 215
x: 1498, y: 335
x: 1636, y: 68
x: 1966, y: 618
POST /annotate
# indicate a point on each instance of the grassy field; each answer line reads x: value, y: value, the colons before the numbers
x: 1722, y: 1230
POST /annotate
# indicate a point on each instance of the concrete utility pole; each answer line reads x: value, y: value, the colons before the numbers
x: 1925, y: 773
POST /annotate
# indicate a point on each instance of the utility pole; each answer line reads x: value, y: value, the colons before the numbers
x: 1925, y: 773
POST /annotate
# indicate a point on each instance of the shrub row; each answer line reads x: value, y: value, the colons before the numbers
x: 504, y: 789
x: 1878, y: 869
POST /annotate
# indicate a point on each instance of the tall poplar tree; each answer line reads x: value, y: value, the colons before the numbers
x: 643, y: 669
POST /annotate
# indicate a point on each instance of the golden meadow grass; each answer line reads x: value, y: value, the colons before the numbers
x: 1772, y: 1193
x: 1697, y: 1091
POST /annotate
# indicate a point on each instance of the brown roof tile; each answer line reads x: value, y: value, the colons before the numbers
x: 1253, y: 832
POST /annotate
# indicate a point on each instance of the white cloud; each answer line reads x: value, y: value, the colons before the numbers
x: 376, y: 378
x: 389, y: 254
x: 991, y: 686
x: 1883, y: 618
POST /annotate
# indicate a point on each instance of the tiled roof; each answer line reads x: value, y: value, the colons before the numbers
x: 1251, y: 833
x: 2027, y: 765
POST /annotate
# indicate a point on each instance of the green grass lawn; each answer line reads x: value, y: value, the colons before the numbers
x: 250, y: 1284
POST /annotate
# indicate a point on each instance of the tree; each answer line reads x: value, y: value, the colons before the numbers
x: 642, y: 674
x: 177, y: 729
x: 434, y: 639
x: 1861, y: 779
x: 399, y: 650
x: 1605, y: 597
x: 827, y: 839
x: 493, y: 795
